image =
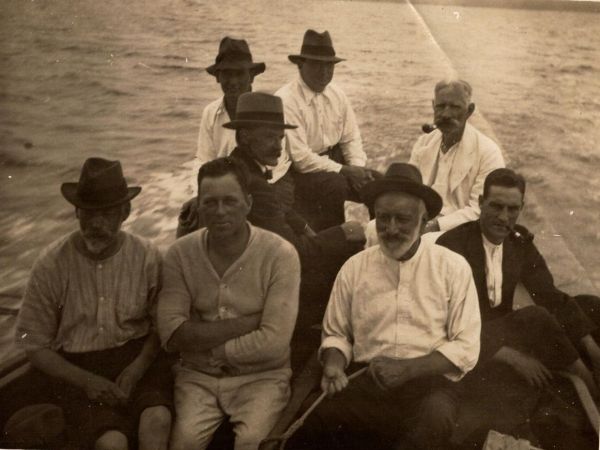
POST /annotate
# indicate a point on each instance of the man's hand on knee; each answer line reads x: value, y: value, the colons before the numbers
x: 100, y: 389
x: 390, y: 373
x: 528, y: 367
x: 357, y: 176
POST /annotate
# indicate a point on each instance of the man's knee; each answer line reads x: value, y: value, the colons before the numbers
x: 111, y: 440
x: 535, y: 317
x: 155, y: 423
x: 435, y: 422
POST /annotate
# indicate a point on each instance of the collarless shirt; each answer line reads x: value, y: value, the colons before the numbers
x: 78, y: 304
x: 493, y: 270
x: 324, y: 119
x: 383, y: 307
x: 265, y: 278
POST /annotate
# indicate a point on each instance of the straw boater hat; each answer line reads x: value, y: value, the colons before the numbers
x: 258, y: 109
x: 101, y: 185
x: 317, y: 46
x: 403, y: 177
x: 235, y: 54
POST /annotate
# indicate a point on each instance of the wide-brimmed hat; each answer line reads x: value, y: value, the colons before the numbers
x: 317, y: 46
x: 101, y: 185
x: 403, y: 177
x: 235, y: 54
x: 258, y: 109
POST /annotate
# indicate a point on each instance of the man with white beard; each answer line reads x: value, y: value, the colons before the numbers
x: 408, y: 310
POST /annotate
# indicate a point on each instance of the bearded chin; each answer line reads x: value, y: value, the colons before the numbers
x: 397, y: 250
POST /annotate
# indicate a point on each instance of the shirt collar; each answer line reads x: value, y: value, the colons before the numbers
x: 307, y: 93
x: 490, y: 245
x: 414, y: 257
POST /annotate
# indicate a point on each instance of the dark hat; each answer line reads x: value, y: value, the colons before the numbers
x: 403, y: 177
x: 101, y: 185
x: 317, y: 46
x: 235, y: 54
x: 258, y: 109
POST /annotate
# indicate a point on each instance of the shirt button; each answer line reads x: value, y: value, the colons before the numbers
x: 99, y: 266
x: 101, y: 299
x: 101, y: 329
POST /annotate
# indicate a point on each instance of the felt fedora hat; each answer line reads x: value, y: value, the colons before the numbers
x: 235, y: 54
x: 258, y: 109
x: 403, y: 177
x: 101, y: 185
x: 317, y: 46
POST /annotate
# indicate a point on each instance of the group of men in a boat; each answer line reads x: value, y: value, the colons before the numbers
x: 266, y: 270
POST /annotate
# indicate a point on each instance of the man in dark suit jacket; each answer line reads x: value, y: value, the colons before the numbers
x: 260, y: 126
x: 534, y: 339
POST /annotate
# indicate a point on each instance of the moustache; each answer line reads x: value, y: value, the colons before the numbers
x: 446, y: 122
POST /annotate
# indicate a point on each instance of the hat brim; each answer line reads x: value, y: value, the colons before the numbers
x: 375, y: 188
x: 235, y: 124
x: 255, y: 68
x: 69, y: 192
x: 300, y: 58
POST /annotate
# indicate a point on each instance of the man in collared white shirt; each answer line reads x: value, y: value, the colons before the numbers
x: 234, y: 70
x: 534, y: 339
x: 326, y: 148
x: 406, y: 308
x: 456, y: 157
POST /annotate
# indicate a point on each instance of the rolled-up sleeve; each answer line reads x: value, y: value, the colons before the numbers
x: 271, y: 341
x: 464, y: 321
x: 337, y: 322
x: 174, y: 299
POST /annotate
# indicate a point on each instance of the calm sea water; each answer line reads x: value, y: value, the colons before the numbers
x: 125, y: 80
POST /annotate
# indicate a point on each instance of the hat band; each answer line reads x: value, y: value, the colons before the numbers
x: 101, y: 195
x: 262, y: 116
x: 318, y: 50
x: 233, y: 57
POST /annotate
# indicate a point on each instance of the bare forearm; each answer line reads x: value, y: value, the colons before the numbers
x: 200, y: 336
x: 51, y: 363
x: 433, y: 364
x: 334, y: 358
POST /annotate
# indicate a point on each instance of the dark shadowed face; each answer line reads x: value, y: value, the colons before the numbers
x: 263, y: 143
x: 235, y: 82
x: 399, y: 219
x: 316, y: 74
x: 451, y: 110
x: 223, y: 206
x: 499, y: 212
x: 100, y: 227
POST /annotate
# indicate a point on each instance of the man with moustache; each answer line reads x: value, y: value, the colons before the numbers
x: 455, y: 158
x: 228, y: 306
x: 86, y: 322
x: 407, y: 309
x: 326, y: 148
x: 535, y: 339
x: 259, y: 128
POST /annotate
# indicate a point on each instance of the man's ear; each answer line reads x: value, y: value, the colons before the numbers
x: 480, y: 201
x: 125, y: 211
x: 470, y: 109
x: 77, y: 212
x: 249, y: 200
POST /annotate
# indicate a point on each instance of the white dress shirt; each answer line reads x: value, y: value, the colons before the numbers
x: 383, y: 307
x: 324, y: 119
x: 493, y: 271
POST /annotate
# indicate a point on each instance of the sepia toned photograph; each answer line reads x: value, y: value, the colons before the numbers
x: 304, y: 224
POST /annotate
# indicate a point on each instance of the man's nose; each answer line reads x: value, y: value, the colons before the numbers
x: 220, y: 208
x: 503, y: 214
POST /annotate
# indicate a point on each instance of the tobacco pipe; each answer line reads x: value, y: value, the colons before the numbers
x: 428, y: 127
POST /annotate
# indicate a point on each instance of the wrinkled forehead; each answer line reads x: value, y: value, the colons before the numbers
x: 456, y: 90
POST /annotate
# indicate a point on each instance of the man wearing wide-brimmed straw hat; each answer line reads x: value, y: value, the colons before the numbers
x: 260, y: 127
x: 86, y: 322
x: 326, y: 148
x: 408, y: 310
x: 234, y: 69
